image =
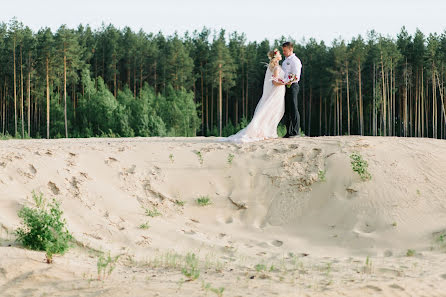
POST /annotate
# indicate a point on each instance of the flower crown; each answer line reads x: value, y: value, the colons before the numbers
x: 275, y: 54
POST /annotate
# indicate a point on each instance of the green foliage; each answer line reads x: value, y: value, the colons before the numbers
x: 410, y: 253
x: 321, y: 175
x: 281, y: 130
x: 122, y: 83
x: 152, y: 212
x: 190, y: 269
x: 204, y: 201
x: 260, y: 267
x: 144, y: 226
x: 200, y: 157
x: 179, y: 202
x: 43, y: 228
x: 230, y: 158
x: 360, y: 166
x: 106, y: 265
x: 217, y: 291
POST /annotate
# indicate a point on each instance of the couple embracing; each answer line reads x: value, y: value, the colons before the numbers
x: 279, y: 99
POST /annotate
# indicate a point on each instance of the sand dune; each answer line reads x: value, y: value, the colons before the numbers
x: 288, y: 217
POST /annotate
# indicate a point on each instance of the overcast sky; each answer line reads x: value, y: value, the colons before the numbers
x: 321, y: 19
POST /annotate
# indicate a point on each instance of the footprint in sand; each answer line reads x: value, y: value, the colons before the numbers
x: 53, y: 188
x: 32, y: 169
x: 277, y: 243
x: 110, y: 160
x: 376, y: 289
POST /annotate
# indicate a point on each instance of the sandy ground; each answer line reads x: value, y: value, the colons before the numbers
x: 288, y: 217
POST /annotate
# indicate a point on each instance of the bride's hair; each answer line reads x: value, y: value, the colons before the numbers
x: 273, y: 57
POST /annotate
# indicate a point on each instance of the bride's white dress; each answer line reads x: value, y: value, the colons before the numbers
x: 268, y: 113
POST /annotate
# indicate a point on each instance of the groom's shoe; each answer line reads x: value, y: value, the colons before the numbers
x: 286, y: 136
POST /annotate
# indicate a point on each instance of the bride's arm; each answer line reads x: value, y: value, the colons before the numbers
x: 276, y: 77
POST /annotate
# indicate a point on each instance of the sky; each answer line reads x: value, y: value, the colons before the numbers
x: 320, y: 19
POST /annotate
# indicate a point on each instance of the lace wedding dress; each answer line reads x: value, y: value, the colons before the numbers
x: 268, y: 113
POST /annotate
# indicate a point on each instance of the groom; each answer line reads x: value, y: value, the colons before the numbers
x: 291, y: 65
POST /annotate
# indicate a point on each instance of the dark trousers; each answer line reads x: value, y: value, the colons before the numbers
x: 292, y: 117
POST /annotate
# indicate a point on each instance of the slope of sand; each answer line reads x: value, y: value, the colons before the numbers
x: 275, y: 226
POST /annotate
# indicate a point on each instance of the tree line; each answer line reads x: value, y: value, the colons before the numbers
x: 116, y: 82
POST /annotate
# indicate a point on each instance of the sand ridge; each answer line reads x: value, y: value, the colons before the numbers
x: 294, y: 204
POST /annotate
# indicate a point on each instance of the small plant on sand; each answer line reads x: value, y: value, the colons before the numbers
x: 230, y: 159
x: 321, y: 175
x: 360, y: 166
x: 106, y: 265
x: 410, y: 253
x: 190, y: 269
x: 144, y: 226
x: 204, y: 200
x: 218, y: 291
x: 200, y: 157
x: 43, y: 228
x: 208, y: 287
x: 152, y: 212
x: 368, y: 265
x: 260, y: 267
x: 171, y: 158
x: 441, y: 238
x: 179, y: 202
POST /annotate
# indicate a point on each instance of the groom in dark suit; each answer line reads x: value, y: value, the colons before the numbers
x: 291, y: 66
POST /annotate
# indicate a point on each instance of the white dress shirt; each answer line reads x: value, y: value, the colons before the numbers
x: 292, y: 65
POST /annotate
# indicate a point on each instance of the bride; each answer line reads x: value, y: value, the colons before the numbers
x: 271, y: 107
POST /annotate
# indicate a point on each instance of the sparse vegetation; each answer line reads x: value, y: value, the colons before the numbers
x: 152, y: 212
x: 144, y: 226
x: 321, y: 175
x: 204, y: 200
x: 200, y: 157
x: 171, y: 158
x: 368, y: 265
x: 190, y: 269
x: 43, y: 228
x: 260, y: 267
x: 106, y: 265
x: 230, y: 159
x: 179, y: 202
x: 217, y: 291
x: 360, y: 166
x: 410, y: 253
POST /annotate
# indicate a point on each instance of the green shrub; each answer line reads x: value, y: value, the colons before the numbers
x: 204, y: 200
x: 106, y: 265
x: 190, y: 268
x: 360, y: 166
x: 43, y: 228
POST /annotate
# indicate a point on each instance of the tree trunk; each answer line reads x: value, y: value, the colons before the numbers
x: 21, y: 94
x: 220, y: 99
x: 15, y: 92
x: 29, y: 100
x: 309, y: 113
x: 361, y: 117
x: 227, y: 106
x: 47, y: 100
x: 384, y: 97
x: 348, y: 104
x: 65, y: 91
x: 202, y: 100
